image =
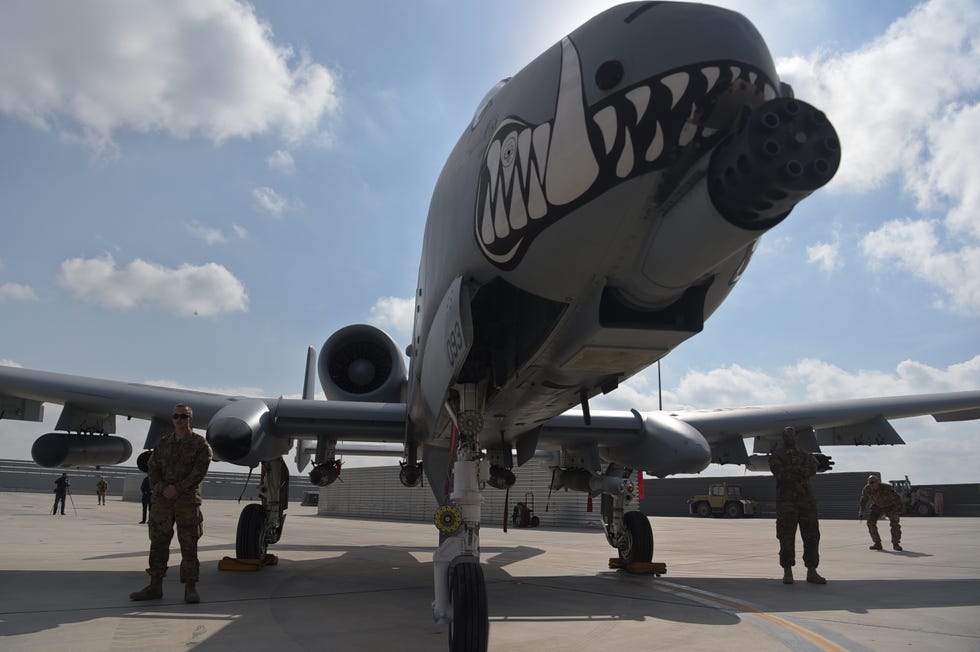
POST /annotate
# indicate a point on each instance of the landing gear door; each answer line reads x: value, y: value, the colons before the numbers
x: 446, y: 348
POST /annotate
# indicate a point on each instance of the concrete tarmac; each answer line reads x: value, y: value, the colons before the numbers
x: 344, y: 584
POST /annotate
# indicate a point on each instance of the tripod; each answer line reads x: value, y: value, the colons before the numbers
x: 72, y: 501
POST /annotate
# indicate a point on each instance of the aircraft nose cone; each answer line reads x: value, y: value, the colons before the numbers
x: 230, y: 439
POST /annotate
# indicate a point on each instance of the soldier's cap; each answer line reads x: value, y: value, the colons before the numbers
x: 872, y: 478
x: 789, y: 430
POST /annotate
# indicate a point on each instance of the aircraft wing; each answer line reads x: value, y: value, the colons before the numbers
x: 241, y: 429
x: 22, y: 389
x: 684, y: 441
x: 831, y: 416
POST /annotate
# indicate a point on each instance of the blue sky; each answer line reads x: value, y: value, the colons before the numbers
x: 191, y: 193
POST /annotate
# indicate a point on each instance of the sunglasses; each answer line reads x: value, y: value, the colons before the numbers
x: 181, y: 417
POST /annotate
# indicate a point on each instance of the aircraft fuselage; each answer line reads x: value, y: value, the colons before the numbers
x: 584, y: 206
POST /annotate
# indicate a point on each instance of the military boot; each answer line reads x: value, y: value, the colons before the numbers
x: 897, y: 547
x: 813, y: 578
x: 876, y: 546
x: 787, y: 575
x: 152, y: 591
x: 190, y: 593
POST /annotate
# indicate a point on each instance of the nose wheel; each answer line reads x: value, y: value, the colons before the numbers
x: 469, y: 630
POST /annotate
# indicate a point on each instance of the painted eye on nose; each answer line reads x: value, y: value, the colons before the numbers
x: 609, y: 75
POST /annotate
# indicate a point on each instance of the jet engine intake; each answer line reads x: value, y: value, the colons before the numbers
x: 243, y: 432
x: 362, y: 363
x: 61, y: 449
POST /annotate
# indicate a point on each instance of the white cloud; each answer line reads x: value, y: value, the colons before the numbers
x: 883, y: 97
x: 824, y: 381
x: 950, y: 174
x: 396, y: 315
x: 208, y: 67
x: 207, y: 289
x: 17, y: 292
x: 9, y: 363
x: 913, y: 246
x: 213, y: 236
x: 208, y: 234
x: 270, y: 201
x: 281, y: 161
x: 905, y: 105
x: 826, y: 255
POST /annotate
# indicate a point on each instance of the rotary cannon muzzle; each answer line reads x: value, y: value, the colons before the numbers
x: 781, y: 152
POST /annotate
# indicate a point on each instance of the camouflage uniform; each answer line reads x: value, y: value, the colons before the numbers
x: 182, y: 463
x: 795, y: 505
x: 884, y: 500
x: 101, y: 487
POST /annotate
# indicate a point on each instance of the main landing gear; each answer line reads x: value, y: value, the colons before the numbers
x: 261, y: 524
x: 629, y: 532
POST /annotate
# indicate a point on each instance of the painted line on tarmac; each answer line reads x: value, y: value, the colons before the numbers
x: 713, y: 599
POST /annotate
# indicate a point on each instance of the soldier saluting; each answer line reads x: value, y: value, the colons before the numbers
x: 176, y: 468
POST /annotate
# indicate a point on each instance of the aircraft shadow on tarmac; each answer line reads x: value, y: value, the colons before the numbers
x: 372, y: 593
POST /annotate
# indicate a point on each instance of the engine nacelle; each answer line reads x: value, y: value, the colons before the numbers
x: 362, y: 363
x: 243, y: 432
x: 60, y: 449
x: 664, y: 446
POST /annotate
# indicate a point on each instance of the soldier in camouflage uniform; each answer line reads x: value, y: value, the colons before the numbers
x: 796, y: 506
x: 101, y: 487
x: 884, y: 500
x: 176, y: 468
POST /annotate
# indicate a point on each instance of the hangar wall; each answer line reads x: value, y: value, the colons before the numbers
x: 375, y: 492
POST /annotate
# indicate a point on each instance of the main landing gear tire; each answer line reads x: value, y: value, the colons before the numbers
x: 470, y: 629
x: 250, y: 538
x: 638, y: 542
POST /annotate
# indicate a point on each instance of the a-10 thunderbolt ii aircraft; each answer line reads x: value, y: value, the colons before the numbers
x: 600, y: 205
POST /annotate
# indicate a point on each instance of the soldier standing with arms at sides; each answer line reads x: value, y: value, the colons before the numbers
x: 101, y: 487
x: 796, y: 505
x: 60, y: 490
x: 884, y: 500
x: 176, y: 468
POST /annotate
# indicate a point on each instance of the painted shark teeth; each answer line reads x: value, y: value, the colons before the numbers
x: 535, y: 174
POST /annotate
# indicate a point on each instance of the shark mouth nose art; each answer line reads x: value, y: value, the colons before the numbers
x: 533, y: 175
